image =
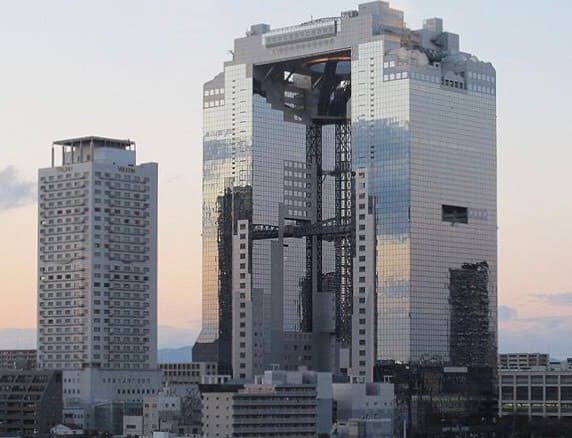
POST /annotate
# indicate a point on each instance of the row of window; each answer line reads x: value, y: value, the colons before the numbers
x: 214, y: 91
x: 62, y: 176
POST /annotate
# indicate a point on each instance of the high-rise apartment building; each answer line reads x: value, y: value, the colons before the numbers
x: 349, y: 198
x: 97, y: 270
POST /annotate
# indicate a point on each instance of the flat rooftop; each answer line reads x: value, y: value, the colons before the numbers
x: 97, y: 142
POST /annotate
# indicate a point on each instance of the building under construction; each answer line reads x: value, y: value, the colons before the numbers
x: 349, y: 183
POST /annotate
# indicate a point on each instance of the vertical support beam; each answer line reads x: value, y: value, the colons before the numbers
x: 313, y: 282
x: 364, y: 320
x: 226, y: 255
x: 277, y: 292
x: 344, y: 247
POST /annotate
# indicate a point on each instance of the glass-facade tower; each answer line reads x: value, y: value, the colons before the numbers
x: 421, y: 118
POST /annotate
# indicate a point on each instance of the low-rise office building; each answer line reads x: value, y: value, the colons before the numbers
x: 520, y: 361
x: 30, y: 402
x: 161, y: 413
x: 175, y: 411
x: 18, y: 359
x: 185, y: 373
x: 133, y: 426
x: 536, y: 391
x: 364, y: 409
x: 280, y: 403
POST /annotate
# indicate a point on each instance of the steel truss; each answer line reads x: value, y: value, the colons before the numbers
x: 339, y: 229
x: 344, y: 245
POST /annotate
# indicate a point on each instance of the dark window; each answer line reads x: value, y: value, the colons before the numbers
x: 507, y: 393
x: 566, y: 393
x: 551, y: 393
x: 455, y: 214
x: 536, y: 393
x: 522, y: 392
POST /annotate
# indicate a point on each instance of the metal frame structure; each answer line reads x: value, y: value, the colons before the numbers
x: 344, y: 246
x: 339, y: 229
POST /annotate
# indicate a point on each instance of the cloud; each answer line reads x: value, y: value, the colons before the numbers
x: 545, y: 334
x: 507, y: 313
x: 556, y: 298
x: 14, y: 191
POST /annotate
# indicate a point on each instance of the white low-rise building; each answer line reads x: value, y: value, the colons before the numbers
x: 279, y: 403
x: 364, y: 409
x: 536, y: 391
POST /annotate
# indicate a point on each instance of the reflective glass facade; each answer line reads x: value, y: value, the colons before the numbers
x: 246, y: 143
x: 423, y: 129
x: 427, y: 144
x: 227, y: 162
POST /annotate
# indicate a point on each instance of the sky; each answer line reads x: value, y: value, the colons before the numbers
x: 135, y: 69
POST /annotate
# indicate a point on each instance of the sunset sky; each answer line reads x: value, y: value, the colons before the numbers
x: 135, y: 69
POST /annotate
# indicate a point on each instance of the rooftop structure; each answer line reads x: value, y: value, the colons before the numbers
x: 92, y: 148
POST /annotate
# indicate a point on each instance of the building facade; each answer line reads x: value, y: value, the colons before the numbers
x: 530, y: 385
x: 349, y: 198
x: 18, y: 359
x: 97, y: 271
x: 187, y: 373
x: 30, y: 402
x: 280, y: 403
x: 523, y: 361
x: 363, y: 409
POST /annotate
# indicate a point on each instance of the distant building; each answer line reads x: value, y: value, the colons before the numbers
x: 363, y: 428
x: 108, y: 416
x: 280, y: 403
x: 363, y: 400
x: 66, y: 430
x: 535, y: 390
x: 434, y: 400
x: 30, y: 402
x: 18, y: 359
x: 185, y: 373
x: 367, y: 407
x: 74, y: 416
x: 132, y: 426
x: 161, y: 413
x: 175, y: 411
x: 523, y: 361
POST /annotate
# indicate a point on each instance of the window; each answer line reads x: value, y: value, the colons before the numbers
x: 454, y: 214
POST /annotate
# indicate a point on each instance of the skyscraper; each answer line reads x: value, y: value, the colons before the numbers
x: 349, y: 174
x: 97, y: 270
